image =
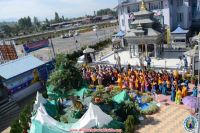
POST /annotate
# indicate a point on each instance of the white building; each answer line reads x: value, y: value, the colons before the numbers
x: 169, y: 12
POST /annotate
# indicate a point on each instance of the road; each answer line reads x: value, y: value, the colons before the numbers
x: 67, y: 45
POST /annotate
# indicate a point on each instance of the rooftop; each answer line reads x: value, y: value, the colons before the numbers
x: 19, y: 66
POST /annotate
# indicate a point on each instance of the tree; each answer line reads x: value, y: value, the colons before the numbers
x: 129, y: 124
x: 63, y: 18
x: 36, y: 21
x: 47, y: 22
x: 106, y: 11
x: 7, y: 30
x: 65, y: 77
x: 57, y: 18
x: 16, y: 127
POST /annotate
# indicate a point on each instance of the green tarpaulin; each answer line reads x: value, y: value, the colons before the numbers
x: 81, y: 92
x: 121, y: 97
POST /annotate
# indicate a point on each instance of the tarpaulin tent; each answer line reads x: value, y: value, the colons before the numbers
x: 121, y: 97
x: 43, y: 123
x: 81, y: 92
x: 94, y: 117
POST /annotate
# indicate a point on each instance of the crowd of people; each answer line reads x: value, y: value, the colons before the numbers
x: 167, y: 83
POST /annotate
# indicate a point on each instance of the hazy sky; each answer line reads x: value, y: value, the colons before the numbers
x: 15, y: 9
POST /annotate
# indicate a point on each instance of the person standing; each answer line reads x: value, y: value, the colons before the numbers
x: 178, y: 96
x: 195, y: 91
x: 173, y: 93
x: 184, y: 90
x: 148, y: 60
x: 164, y: 88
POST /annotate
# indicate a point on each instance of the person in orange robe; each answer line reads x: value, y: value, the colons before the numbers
x: 119, y: 81
x: 136, y: 83
x: 131, y: 82
x: 184, y: 91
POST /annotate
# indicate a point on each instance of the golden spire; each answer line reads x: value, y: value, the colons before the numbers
x: 143, y: 7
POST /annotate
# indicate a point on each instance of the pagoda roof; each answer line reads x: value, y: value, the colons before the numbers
x: 179, y: 30
x: 143, y: 12
x: 152, y: 32
x: 142, y: 21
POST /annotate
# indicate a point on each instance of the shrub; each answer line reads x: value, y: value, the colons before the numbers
x: 129, y: 124
x: 147, y: 99
x: 63, y: 118
x: 16, y: 127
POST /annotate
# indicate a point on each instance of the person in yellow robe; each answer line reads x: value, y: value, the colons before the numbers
x: 184, y: 91
x: 178, y: 96
x: 119, y: 81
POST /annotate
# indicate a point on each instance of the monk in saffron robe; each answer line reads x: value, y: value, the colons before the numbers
x: 178, y: 96
x: 184, y: 91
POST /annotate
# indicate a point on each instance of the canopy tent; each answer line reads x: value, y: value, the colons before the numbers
x: 119, y: 34
x: 43, y: 123
x: 39, y: 100
x: 179, y: 30
x: 81, y: 92
x: 94, y: 117
x: 121, y: 97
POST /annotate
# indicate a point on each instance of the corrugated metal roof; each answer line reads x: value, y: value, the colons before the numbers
x: 19, y: 66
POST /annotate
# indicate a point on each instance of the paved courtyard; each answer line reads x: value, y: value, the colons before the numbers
x: 165, y: 62
x: 168, y: 120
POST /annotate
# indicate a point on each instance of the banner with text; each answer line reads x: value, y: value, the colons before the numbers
x: 30, y: 47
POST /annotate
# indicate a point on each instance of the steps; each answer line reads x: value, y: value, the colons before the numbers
x: 9, y: 111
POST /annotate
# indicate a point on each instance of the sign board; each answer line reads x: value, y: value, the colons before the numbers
x: 30, y: 47
x: 8, y: 52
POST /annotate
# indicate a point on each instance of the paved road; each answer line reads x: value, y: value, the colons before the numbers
x: 67, y: 45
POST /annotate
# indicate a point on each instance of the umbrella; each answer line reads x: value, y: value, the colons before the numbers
x: 190, y: 101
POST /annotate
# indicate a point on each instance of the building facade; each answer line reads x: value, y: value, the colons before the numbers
x: 144, y: 37
x: 169, y: 12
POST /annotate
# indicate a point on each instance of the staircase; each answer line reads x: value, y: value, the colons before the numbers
x: 9, y: 110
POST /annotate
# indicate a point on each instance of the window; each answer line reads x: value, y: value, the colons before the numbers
x: 179, y: 17
x: 171, y: 1
x: 179, y: 2
x: 128, y: 9
x: 156, y: 5
x: 123, y: 22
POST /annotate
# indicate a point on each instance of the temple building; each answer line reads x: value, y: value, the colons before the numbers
x: 144, y: 37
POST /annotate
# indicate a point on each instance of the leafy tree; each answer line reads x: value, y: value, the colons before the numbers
x: 106, y: 11
x: 57, y: 18
x: 6, y: 29
x: 36, y: 22
x: 16, y: 127
x: 47, y: 22
x: 63, y: 18
x: 129, y: 124
x: 65, y: 77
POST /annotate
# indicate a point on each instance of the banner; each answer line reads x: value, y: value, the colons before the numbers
x: 30, y: 47
x: 8, y: 52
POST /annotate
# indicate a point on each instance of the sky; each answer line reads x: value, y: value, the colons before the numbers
x: 12, y: 10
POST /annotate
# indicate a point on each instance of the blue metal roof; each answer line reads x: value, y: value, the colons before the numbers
x: 120, y: 34
x: 19, y: 66
x: 179, y: 30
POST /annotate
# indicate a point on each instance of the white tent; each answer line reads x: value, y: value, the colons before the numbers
x: 39, y: 100
x: 94, y: 117
x: 43, y: 123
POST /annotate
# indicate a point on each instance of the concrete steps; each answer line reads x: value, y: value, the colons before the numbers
x: 8, y: 112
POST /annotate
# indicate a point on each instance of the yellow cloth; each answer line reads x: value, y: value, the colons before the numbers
x: 184, y: 91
